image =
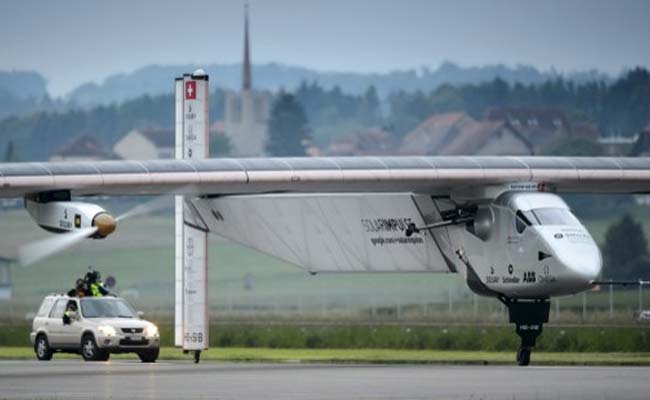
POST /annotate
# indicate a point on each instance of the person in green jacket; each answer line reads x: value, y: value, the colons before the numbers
x: 95, y: 285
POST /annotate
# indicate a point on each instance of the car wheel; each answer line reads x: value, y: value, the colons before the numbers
x: 42, y: 348
x: 149, y: 356
x: 90, y: 351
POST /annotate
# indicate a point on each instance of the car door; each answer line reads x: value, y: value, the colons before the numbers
x: 55, y: 324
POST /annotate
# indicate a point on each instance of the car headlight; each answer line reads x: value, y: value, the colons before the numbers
x: 107, y: 330
x: 151, y: 330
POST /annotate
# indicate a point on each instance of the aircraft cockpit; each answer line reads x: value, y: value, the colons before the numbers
x: 542, y: 223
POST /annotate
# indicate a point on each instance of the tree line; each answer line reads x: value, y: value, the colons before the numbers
x: 34, y: 137
x: 621, y: 106
x: 625, y: 251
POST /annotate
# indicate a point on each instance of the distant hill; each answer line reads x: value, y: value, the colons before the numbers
x: 24, y: 92
x: 23, y: 84
x: 157, y: 79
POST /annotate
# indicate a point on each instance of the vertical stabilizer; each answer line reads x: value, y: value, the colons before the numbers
x: 191, y: 247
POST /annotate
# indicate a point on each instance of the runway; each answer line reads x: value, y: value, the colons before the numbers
x: 72, y: 379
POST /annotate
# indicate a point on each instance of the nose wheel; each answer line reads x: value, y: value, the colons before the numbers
x: 523, y: 356
x: 529, y: 317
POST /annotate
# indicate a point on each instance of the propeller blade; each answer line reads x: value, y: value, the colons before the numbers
x: 33, y: 252
x: 156, y: 204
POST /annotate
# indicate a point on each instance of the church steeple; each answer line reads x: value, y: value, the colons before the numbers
x: 247, y: 82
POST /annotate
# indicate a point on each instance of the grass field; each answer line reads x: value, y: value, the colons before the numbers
x: 367, y: 356
x: 467, y: 337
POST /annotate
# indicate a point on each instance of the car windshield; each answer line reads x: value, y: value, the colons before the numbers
x: 552, y: 216
x: 104, y: 307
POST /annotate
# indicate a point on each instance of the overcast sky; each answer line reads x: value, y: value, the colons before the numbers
x: 71, y: 42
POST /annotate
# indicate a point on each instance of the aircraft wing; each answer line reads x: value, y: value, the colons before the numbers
x: 431, y: 175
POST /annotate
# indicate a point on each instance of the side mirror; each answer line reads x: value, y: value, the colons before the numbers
x: 140, y: 314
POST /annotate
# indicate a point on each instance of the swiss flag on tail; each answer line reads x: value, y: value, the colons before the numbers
x: 190, y: 90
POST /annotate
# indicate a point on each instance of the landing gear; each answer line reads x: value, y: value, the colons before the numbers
x: 523, y: 356
x: 529, y: 316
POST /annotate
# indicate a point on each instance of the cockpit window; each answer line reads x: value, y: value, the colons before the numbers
x: 555, y: 216
x: 521, y: 221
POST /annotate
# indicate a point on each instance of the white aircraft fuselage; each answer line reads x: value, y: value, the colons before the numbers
x: 533, y: 247
x: 519, y: 245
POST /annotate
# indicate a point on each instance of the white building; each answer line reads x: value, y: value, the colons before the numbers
x: 247, y: 112
x: 146, y: 144
x: 83, y: 148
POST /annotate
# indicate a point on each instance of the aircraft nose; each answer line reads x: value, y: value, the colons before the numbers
x: 583, y: 262
x: 577, y: 254
x: 588, y: 264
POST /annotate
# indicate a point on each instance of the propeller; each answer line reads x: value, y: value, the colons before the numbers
x: 145, y: 208
x: 36, y: 251
x: 104, y: 224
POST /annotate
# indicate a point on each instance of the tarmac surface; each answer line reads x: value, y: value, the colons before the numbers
x: 72, y: 379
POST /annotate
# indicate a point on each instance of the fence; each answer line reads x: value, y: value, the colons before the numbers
x: 608, y: 306
x: 454, y: 304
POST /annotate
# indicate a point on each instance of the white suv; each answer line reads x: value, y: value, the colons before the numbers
x: 94, y: 327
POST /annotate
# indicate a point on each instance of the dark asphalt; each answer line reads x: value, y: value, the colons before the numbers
x: 72, y: 379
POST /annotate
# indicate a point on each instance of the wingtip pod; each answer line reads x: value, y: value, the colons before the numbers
x: 102, y: 225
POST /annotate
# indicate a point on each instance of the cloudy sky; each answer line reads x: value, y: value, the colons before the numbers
x: 75, y: 41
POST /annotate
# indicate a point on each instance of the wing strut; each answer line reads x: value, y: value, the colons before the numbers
x: 459, y: 216
x: 620, y: 283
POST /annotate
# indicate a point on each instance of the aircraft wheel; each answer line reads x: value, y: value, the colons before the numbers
x: 523, y: 356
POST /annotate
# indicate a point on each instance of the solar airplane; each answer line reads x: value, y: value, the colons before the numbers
x: 498, y: 221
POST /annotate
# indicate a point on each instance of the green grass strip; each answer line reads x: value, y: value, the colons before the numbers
x: 388, y: 356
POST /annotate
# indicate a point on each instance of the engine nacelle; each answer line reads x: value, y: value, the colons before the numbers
x: 54, y: 212
x: 483, y: 223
